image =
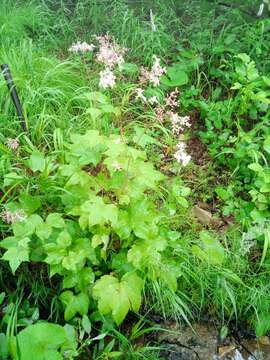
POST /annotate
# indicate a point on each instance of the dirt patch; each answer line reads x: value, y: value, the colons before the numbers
x: 198, y: 151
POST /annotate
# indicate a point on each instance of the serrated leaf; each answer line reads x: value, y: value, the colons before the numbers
x: 16, y: 255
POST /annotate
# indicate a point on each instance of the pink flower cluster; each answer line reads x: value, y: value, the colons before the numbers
x: 81, y: 47
x: 11, y: 217
x: 12, y: 144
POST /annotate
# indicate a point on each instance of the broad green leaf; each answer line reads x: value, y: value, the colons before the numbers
x: 118, y: 297
x: 175, y: 76
x: 74, y: 304
x: 42, y: 341
x: 37, y: 162
x: 86, y: 324
x: 96, y: 212
x: 29, y: 203
x: 81, y: 279
x: 255, y: 167
x: 55, y: 220
x: 3, y: 347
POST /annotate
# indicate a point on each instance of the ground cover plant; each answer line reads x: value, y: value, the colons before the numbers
x: 141, y: 188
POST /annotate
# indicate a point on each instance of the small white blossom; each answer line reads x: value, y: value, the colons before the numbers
x: 154, y: 75
x: 81, y: 47
x: 140, y: 95
x: 117, y: 141
x: 12, y: 144
x: 153, y: 100
x: 181, y: 155
x: 116, y: 166
x: 179, y: 123
x: 107, y: 79
x: 12, y: 217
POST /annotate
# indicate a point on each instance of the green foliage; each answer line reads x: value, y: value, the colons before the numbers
x: 106, y: 219
x: 43, y: 341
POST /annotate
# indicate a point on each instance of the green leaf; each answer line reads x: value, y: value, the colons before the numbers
x: 266, y: 144
x: 118, y: 297
x: 16, y: 255
x: 42, y: 341
x: 175, y: 76
x: 141, y: 138
x: 129, y: 69
x: 96, y: 212
x: 3, y: 347
x: 81, y: 279
x: 211, y: 251
x: 29, y: 203
x: 74, y: 304
x: 55, y: 220
x: 255, y: 167
x: 86, y: 324
x: 37, y: 162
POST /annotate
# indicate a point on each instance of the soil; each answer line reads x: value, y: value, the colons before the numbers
x: 203, y: 343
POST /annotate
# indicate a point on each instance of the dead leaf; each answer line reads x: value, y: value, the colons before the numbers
x: 225, y: 350
x: 202, y: 215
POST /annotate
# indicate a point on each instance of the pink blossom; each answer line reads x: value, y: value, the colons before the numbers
x: 171, y: 99
x: 12, y: 217
x: 159, y: 111
x: 12, y: 144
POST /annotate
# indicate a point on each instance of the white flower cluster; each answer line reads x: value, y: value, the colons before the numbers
x: 153, y: 100
x: 81, y: 47
x: 110, y: 54
x: 12, y: 144
x: 107, y: 79
x: 153, y: 76
x: 179, y: 123
x: 12, y: 217
x: 181, y: 155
